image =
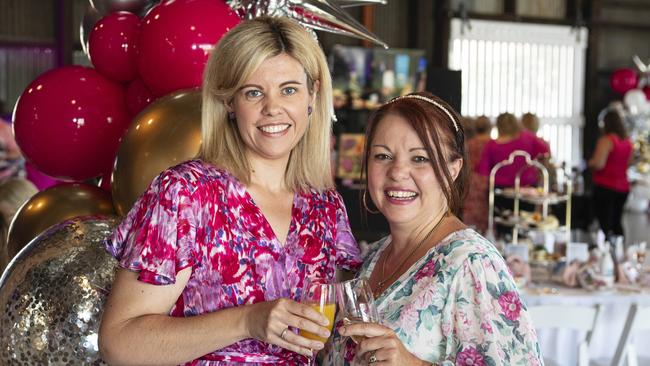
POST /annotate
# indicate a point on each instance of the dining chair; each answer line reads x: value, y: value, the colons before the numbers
x: 573, y: 317
x: 638, y: 318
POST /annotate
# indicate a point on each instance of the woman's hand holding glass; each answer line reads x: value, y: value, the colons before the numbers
x: 379, y: 345
x: 357, y: 304
x: 272, y: 322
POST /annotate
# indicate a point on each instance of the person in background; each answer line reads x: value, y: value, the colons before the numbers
x: 609, y: 163
x: 12, y: 163
x: 468, y: 126
x: 475, y: 209
x: 443, y: 292
x: 13, y: 193
x: 215, y: 255
x: 530, y: 122
x: 510, y: 139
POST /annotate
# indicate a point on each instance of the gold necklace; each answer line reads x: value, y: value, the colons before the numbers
x: 378, y: 290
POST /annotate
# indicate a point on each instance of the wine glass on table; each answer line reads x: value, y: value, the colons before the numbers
x: 322, y: 298
x: 357, y: 304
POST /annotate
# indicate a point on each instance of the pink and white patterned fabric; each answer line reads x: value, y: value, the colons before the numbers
x: 196, y: 215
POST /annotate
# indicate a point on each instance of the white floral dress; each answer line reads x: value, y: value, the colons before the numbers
x: 456, y: 305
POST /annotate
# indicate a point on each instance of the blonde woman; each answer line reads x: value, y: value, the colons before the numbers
x: 215, y: 254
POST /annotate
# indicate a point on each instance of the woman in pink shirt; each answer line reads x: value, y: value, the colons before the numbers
x: 511, y: 138
x: 215, y: 255
x: 609, y: 163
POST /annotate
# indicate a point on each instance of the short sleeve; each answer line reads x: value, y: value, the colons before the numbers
x: 485, y: 320
x: 541, y: 147
x: 158, y: 236
x: 347, y: 250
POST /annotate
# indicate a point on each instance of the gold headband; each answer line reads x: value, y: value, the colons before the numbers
x: 428, y: 100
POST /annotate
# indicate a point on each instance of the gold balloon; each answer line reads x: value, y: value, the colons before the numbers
x: 166, y: 133
x: 49, y: 207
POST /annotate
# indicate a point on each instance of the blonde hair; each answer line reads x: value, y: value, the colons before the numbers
x: 530, y: 122
x: 236, y: 57
x: 507, y: 125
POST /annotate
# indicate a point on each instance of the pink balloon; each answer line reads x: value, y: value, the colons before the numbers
x: 105, y: 182
x: 138, y: 96
x: 40, y: 179
x: 68, y: 122
x: 176, y: 39
x: 113, y: 46
x: 623, y: 80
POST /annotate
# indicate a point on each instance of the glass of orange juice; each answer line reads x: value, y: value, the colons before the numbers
x: 322, y: 298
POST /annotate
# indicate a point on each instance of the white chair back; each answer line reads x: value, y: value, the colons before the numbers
x: 638, y: 318
x: 574, y: 317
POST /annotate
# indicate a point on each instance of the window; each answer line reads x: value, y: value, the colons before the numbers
x: 519, y: 68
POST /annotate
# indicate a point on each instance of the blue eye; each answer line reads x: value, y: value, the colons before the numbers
x: 253, y: 93
x: 289, y: 90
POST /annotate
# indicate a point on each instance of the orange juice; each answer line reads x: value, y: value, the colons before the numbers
x: 328, y: 310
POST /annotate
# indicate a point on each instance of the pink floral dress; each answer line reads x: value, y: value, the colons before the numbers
x: 457, y: 305
x: 195, y: 215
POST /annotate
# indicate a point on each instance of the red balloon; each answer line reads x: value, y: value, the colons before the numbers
x: 105, y: 182
x: 176, y: 39
x: 623, y: 80
x: 68, y: 122
x: 646, y: 91
x: 113, y: 46
x: 138, y: 97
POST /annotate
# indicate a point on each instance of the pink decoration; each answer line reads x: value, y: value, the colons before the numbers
x: 138, y: 97
x: 68, y: 122
x: 176, y: 39
x: 105, y: 182
x: 623, y: 80
x: 40, y: 179
x: 113, y: 46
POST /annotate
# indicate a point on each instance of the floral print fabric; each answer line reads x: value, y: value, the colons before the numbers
x: 195, y: 215
x: 457, y: 305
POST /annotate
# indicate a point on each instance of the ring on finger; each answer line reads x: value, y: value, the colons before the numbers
x: 373, y: 357
x: 284, y: 331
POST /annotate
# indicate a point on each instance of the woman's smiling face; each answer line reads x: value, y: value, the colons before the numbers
x: 401, y: 179
x: 271, y: 108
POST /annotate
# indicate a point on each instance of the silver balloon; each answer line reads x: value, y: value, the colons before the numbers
x: 52, y: 295
x: 324, y: 15
x: 91, y: 16
x: 351, y: 3
x: 105, y: 7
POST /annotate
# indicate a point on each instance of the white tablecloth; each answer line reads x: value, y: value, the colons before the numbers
x: 561, y: 345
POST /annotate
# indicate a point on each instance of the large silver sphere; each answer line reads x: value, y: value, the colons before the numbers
x: 52, y: 295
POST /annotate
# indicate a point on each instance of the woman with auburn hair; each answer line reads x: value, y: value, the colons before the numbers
x: 609, y: 162
x: 443, y: 292
x: 215, y: 254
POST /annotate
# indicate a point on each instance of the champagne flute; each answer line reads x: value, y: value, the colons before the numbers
x: 322, y: 298
x: 357, y: 304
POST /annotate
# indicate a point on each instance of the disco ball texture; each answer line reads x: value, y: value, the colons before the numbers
x: 52, y: 295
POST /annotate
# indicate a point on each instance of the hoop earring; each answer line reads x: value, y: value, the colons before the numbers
x: 365, y: 204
